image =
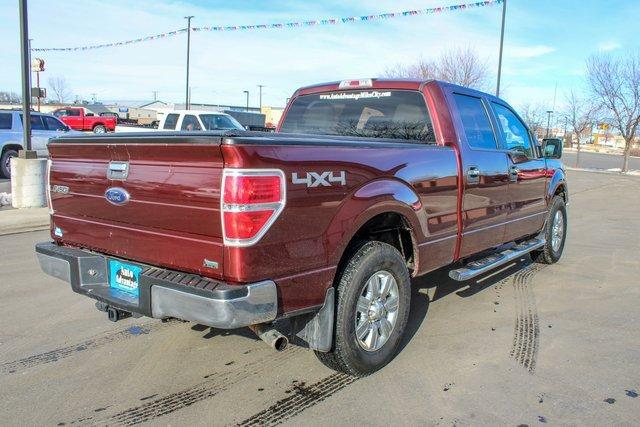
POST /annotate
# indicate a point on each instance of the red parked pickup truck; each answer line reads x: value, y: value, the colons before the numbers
x: 78, y: 119
x: 366, y: 184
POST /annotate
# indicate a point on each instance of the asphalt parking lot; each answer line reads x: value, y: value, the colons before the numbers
x: 598, y: 160
x: 531, y: 345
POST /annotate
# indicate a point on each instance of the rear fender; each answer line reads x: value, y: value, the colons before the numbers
x: 374, y: 198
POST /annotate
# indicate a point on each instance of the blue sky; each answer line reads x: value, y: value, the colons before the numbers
x: 546, y: 42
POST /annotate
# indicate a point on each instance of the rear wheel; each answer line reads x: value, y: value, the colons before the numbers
x: 555, y: 233
x: 99, y: 129
x: 373, y: 297
x: 5, y: 162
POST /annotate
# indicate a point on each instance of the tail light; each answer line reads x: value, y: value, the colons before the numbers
x: 251, y: 201
x: 48, y: 188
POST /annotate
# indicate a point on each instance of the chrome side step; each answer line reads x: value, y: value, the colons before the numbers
x: 476, y: 268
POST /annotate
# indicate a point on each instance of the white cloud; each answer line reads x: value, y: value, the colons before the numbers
x: 608, y: 46
x: 528, y: 51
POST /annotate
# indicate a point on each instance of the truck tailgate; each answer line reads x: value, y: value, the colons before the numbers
x: 165, y: 212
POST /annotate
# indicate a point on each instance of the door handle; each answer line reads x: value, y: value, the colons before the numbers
x: 513, y: 174
x: 473, y: 175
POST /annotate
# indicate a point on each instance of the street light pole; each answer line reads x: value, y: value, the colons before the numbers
x: 504, y: 13
x: 26, y: 90
x: 549, y: 113
x: 247, y: 93
x: 187, y: 100
x: 260, y: 86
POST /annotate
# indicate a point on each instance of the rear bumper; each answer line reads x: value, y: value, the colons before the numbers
x: 163, y: 293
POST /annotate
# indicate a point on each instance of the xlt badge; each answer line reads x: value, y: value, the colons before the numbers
x: 316, y: 179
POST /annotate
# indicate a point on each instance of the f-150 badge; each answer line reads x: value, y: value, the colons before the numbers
x: 316, y: 179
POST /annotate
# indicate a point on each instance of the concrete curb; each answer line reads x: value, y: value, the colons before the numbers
x: 604, y: 171
x: 14, y: 221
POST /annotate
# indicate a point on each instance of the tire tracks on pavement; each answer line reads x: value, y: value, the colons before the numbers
x: 73, y: 349
x: 526, y: 333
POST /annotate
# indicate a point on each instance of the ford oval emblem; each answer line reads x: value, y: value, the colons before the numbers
x: 116, y: 196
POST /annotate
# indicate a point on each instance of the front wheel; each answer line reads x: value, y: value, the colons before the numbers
x: 5, y: 163
x: 99, y: 129
x: 373, y: 297
x: 555, y: 233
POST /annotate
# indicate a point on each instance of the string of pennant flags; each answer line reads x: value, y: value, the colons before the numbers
x: 283, y: 25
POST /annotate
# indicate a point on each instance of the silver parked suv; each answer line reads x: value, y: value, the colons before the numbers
x: 43, y: 127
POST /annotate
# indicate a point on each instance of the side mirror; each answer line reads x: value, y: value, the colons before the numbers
x: 552, y: 148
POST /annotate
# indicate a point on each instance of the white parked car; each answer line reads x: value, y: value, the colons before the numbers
x: 43, y: 127
x: 194, y: 120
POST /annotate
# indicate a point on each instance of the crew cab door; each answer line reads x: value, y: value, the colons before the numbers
x: 485, y: 175
x: 527, y: 175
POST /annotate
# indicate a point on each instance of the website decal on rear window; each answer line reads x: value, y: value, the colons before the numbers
x: 372, y: 94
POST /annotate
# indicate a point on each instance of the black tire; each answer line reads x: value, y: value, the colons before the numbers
x: 99, y: 129
x: 347, y: 354
x: 548, y: 254
x: 5, y: 170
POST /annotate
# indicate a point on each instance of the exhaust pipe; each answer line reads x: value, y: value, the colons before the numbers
x: 270, y: 335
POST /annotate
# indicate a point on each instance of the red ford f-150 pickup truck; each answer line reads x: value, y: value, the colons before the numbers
x: 366, y: 184
x: 78, y: 119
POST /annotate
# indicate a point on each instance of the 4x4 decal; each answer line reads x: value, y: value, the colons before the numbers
x: 316, y: 179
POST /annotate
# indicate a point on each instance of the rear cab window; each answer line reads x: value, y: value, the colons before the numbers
x: 398, y: 114
x: 170, y: 122
x: 5, y: 120
x: 190, y: 122
x: 476, y: 122
x: 36, y: 121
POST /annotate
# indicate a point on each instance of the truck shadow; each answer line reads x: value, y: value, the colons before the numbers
x: 425, y: 290
x: 436, y: 285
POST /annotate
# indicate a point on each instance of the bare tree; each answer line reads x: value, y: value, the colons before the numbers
x: 462, y: 66
x: 10, y: 97
x: 615, y: 84
x: 533, y: 116
x: 58, y: 86
x: 579, y: 113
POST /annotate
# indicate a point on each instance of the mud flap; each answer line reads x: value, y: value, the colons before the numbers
x: 317, y: 329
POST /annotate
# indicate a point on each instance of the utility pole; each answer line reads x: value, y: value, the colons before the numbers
x: 260, y: 86
x: 549, y: 113
x: 155, y: 95
x: 247, y: 93
x: 25, y: 54
x: 504, y: 13
x: 188, y: 18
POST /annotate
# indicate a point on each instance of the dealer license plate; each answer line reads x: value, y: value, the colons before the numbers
x: 124, y: 277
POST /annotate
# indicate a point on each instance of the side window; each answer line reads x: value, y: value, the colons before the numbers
x: 5, y: 120
x: 514, y: 131
x: 190, y: 122
x: 53, y: 124
x: 36, y: 122
x: 170, y: 122
x: 73, y: 112
x: 475, y: 120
